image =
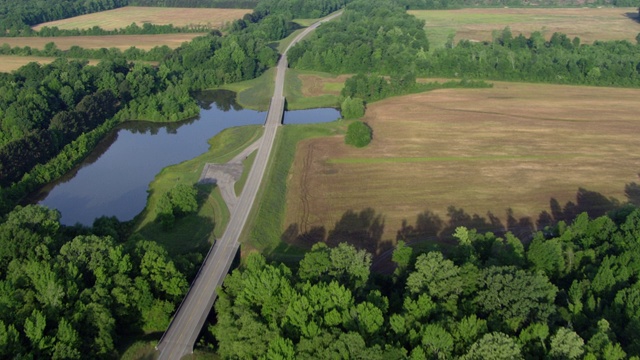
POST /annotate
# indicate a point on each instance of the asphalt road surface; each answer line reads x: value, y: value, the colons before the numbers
x: 183, y: 331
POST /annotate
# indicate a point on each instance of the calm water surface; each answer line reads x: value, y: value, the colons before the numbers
x: 113, y: 180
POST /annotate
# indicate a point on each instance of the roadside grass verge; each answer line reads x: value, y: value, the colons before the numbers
x: 209, y: 222
x: 247, y: 164
x: 265, y: 225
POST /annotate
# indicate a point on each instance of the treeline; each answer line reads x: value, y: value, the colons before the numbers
x: 17, y: 17
x: 370, y: 36
x: 559, y: 60
x: 133, y: 29
x: 77, y: 293
x: 372, y: 87
x: 458, y: 4
x: 300, y: 8
x: 380, y: 37
x: 571, y: 293
x: 76, y: 52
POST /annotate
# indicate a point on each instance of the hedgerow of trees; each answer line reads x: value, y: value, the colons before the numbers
x: 571, y: 293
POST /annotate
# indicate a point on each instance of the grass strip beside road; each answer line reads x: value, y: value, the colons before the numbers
x: 247, y: 164
x: 209, y: 222
x: 266, y: 221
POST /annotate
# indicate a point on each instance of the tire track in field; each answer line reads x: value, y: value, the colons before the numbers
x: 304, y: 188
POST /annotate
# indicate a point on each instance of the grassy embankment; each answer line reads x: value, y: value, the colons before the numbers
x: 213, y: 215
x: 267, y: 217
x: 589, y: 24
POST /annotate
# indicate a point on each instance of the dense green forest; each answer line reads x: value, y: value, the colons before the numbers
x: 76, y: 293
x: 380, y: 37
x: 572, y: 292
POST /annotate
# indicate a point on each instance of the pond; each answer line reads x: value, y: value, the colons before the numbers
x: 114, y: 179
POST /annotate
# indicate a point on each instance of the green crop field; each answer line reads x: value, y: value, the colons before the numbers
x: 589, y: 24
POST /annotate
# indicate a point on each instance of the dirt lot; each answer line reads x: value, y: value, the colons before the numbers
x: 589, y: 24
x: 123, y: 17
x: 122, y: 42
x: 514, y: 147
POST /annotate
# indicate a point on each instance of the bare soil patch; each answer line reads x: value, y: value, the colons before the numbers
x: 314, y: 85
x: 506, y: 150
x: 589, y: 24
x: 122, y: 42
x: 123, y: 17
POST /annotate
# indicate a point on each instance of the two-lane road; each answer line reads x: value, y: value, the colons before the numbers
x: 183, y: 331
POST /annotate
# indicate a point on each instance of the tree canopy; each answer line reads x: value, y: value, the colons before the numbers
x: 467, y: 304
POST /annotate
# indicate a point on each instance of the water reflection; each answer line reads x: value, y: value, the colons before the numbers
x: 113, y: 180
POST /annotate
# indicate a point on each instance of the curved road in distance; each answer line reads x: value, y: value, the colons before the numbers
x: 183, y: 330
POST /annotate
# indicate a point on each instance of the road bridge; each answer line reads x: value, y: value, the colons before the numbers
x: 185, y: 326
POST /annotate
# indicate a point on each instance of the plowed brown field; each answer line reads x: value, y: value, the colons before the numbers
x: 514, y: 147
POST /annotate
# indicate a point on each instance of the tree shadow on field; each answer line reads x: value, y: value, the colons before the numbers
x: 362, y: 229
x: 430, y: 231
x: 633, y: 16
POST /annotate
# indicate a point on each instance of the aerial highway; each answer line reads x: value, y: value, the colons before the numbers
x: 185, y: 326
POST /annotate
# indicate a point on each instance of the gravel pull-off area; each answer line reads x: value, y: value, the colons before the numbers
x: 226, y: 175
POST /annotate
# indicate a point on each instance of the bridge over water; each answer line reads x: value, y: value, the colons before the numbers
x: 185, y: 326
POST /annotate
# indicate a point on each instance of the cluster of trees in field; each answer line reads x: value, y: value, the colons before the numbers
x: 177, y: 202
x: 76, y: 293
x: 17, y: 17
x: 380, y: 37
x: 572, y: 292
